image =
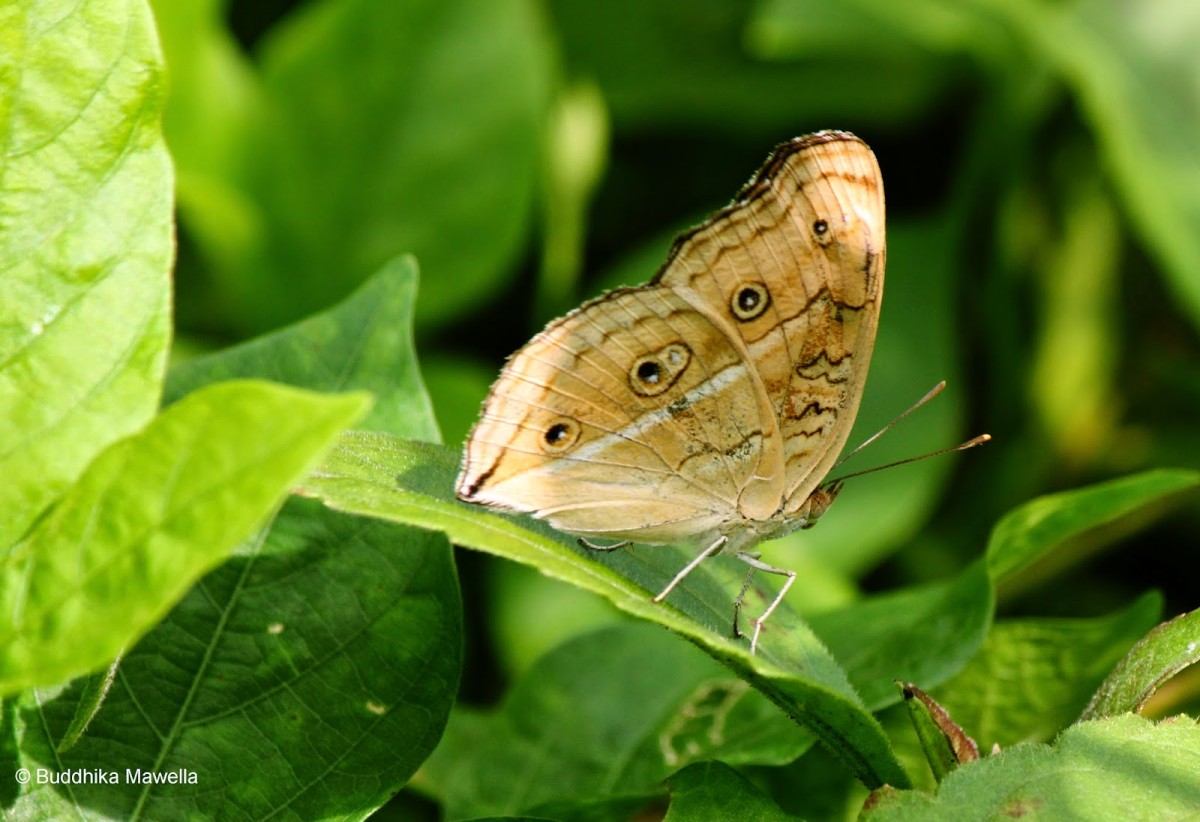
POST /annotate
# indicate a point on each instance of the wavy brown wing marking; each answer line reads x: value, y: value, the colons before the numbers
x: 809, y: 229
x: 625, y: 418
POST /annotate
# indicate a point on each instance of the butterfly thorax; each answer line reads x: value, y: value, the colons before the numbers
x: 743, y: 534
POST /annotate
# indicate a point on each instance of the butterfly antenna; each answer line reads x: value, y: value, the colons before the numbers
x: 963, y: 446
x: 933, y: 392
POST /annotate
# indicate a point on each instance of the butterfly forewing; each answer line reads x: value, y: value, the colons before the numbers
x: 795, y: 266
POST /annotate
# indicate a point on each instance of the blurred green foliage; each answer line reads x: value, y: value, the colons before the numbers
x: 1042, y: 167
x: 1043, y: 178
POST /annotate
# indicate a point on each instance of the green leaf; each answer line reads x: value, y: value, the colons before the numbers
x: 1110, y: 54
x: 1073, y: 372
x: 695, y: 65
x: 87, y: 242
x: 391, y: 128
x: 147, y: 518
x: 325, y: 654
x: 923, y: 634
x: 409, y: 482
x: 1161, y: 654
x: 607, y: 714
x: 214, y: 92
x: 1031, y: 531
x: 363, y: 344
x: 1033, y: 676
x: 713, y: 790
x: 95, y: 689
x: 919, y: 32
x: 1122, y: 768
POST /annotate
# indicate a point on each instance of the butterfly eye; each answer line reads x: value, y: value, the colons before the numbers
x: 750, y: 301
x: 653, y: 374
x: 560, y: 436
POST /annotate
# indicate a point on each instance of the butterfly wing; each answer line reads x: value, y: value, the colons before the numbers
x: 627, y: 418
x: 792, y: 271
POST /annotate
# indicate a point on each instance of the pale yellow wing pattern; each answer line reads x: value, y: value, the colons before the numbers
x: 626, y: 418
x: 793, y: 270
x: 718, y: 394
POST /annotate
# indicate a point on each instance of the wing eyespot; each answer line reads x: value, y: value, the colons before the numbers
x: 749, y: 301
x: 652, y: 374
x: 561, y: 436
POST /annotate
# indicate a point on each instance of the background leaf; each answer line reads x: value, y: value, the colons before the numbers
x: 570, y: 733
x: 149, y: 516
x: 405, y: 482
x: 320, y: 644
x: 1042, y: 225
x: 1031, y: 677
x: 87, y: 242
x: 407, y: 147
x: 1024, y: 536
x: 1161, y: 654
x: 712, y: 790
x: 1125, y: 767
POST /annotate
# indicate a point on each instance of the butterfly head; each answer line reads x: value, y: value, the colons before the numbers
x: 819, y: 501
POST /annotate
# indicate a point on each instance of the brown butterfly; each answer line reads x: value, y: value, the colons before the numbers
x: 708, y: 405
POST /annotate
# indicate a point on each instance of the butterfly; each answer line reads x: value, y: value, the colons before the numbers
x: 709, y: 405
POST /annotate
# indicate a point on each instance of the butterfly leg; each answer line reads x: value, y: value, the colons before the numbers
x: 754, y: 562
x: 741, y: 600
x: 616, y: 545
x: 711, y: 550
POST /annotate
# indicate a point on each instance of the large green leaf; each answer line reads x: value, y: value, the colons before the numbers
x: 606, y: 715
x: 921, y: 634
x: 687, y: 63
x: 365, y: 343
x: 713, y: 790
x: 1123, y: 768
x: 1130, y: 66
x: 86, y: 246
x: 1161, y: 654
x: 1112, y: 55
x: 323, y: 657
x: 388, y: 128
x: 1028, y: 534
x: 409, y: 482
x: 148, y: 517
x: 1032, y: 677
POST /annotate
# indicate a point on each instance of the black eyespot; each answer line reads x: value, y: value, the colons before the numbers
x: 649, y: 372
x: 749, y: 301
x: 560, y: 436
x: 820, y: 227
x: 652, y: 374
